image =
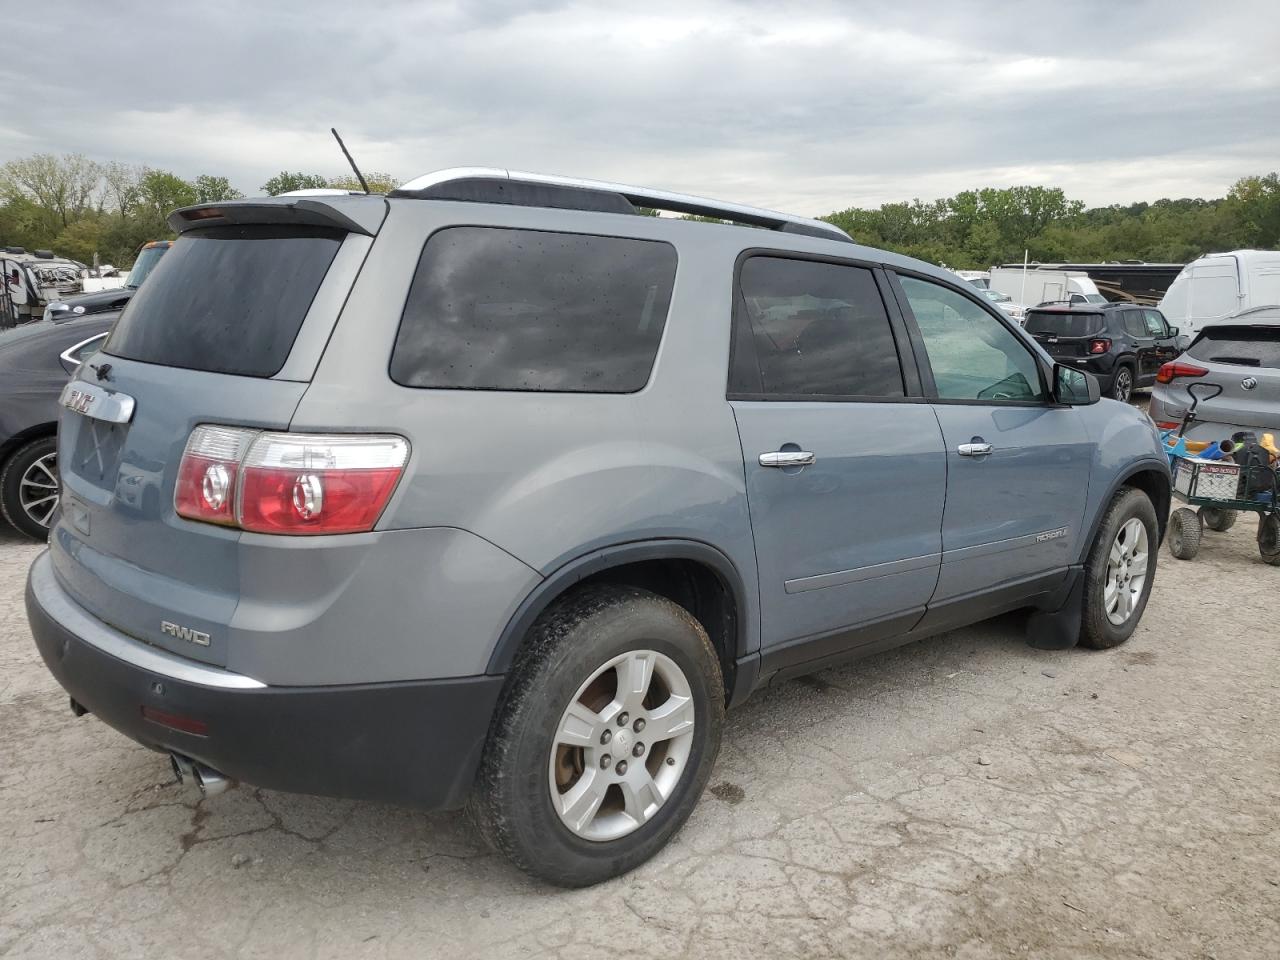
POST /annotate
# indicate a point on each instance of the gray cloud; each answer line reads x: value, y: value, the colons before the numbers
x: 808, y: 107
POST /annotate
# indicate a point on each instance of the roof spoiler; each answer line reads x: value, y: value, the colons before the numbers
x: 354, y: 214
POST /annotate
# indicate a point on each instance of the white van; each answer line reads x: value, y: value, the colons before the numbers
x: 1034, y: 286
x: 1221, y: 284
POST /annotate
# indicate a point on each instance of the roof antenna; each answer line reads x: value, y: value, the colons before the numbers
x: 347, y: 153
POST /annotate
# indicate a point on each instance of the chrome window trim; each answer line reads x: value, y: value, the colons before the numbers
x: 68, y: 355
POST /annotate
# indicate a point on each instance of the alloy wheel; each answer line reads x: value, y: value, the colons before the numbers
x: 1124, y: 384
x: 622, y: 745
x: 38, y: 489
x: 1126, y: 571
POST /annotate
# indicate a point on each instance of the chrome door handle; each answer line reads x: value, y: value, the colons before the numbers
x: 788, y: 458
x: 974, y: 449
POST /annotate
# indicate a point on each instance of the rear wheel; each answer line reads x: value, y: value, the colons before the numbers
x: 1219, y: 520
x: 1184, y: 533
x: 1119, y: 570
x: 29, y: 487
x: 1122, y: 385
x: 1269, y: 538
x: 605, y: 738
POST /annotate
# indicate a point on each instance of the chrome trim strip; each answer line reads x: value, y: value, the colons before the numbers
x: 1002, y: 546
x: 91, y: 400
x: 67, y: 355
x: 72, y: 617
x: 646, y: 195
x: 858, y: 574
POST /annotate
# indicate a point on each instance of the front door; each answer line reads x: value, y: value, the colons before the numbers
x: 845, y: 471
x: 1018, y: 466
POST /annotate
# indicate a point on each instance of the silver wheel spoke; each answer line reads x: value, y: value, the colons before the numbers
x: 1116, y: 556
x: 635, y: 673
x: 578, y: 726
x: 35, y: 503
x: 1109, y: 595
x: 1138, y: 565
x: 641, y: 797
x: 671, y: 719
x: 582, y: 801
x: 43, y: 468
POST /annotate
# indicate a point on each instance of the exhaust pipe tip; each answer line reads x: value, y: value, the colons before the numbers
x: 183, y: 768
x: 210, y: 781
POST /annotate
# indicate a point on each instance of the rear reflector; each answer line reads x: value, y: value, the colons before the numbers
x: 176, y: 721
x: 289, y: 483
x: 1172, y: 371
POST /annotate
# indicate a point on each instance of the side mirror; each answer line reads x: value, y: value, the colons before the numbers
x: 1173, y: 331
x: 1073, y: 387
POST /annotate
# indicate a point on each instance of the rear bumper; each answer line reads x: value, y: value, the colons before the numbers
x: 416, y: 743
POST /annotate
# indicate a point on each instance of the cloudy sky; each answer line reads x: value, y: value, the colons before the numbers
x: 808, y: 107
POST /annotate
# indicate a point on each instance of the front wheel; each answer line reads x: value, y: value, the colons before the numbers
x: 29, y: 487
x: 1119, y: 571
x: 605, y: 738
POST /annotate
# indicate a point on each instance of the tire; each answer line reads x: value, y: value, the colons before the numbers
x: 1269, y: 538
x: 1219, y: 520
x: 1113, y: 602
x: 1185, y: 532
x: 1122, y: 384
x: 30, y: 487
x: 520, y: 803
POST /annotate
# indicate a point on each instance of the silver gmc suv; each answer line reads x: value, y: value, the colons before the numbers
x: 493, y: 492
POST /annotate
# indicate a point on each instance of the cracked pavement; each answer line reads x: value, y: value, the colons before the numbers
x: 965, y: 796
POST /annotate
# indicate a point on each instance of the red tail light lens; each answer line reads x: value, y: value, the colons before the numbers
x: 1172, y: 371
x: 300, y: 483
x: 288, y: 483
x: 209, y: 474
x: 1099, y: 346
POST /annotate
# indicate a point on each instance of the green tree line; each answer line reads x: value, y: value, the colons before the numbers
x: 78, y: 207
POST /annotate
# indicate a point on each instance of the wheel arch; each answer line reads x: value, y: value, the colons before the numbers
x: 1149, y: 476
x: 693, y: 574
x: 20, y: 439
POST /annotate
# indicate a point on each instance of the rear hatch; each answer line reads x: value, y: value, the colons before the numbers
x: 1064, y: 333
x: 1245, y: 362
x: 228, y: 329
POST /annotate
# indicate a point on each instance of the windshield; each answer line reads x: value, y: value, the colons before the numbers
x: 1242, y: 346
x: 1063, y: 324
x: 997, y: 296
x: 145, y: 263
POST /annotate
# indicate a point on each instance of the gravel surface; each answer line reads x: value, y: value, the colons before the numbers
x: 961, y: 797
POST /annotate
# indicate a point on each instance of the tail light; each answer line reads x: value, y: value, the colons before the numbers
x: 1172, y: 371
x: 288, y: 483
x: 1101, y: 345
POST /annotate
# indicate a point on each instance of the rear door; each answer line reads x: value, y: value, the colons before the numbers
x: 1134, y: 322
x: 1017, y: 465
x: 1166, y: 344
x: 845, y: 468
x: 226, y: 330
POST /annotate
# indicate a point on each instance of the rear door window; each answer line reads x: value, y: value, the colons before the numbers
x: 493, y: 308
x: 1243, y: 346
x: 810, y: 329
x: 227, y: 299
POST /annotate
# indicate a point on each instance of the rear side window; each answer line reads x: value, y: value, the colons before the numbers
x: 1063, y: 324
x: 1244, y: 346
x: 1134, y: 323
x: 226, y: 300
x: 809, y: 329
x: 499, y: 309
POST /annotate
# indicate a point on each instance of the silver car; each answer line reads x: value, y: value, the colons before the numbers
x: 492, y: 491
x: 1240, y: 354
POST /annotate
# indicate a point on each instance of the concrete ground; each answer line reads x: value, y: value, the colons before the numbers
x: 962, y: 797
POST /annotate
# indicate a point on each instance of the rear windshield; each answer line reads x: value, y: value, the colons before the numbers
x: 499, y: 309
x: 1062, y: 324
x: 226, y: 300
x: 1244, y: 346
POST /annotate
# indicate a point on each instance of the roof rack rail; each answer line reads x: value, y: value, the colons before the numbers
x: 496, y: 185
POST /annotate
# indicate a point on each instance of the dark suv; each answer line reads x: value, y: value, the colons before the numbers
x: 1122, y: 344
